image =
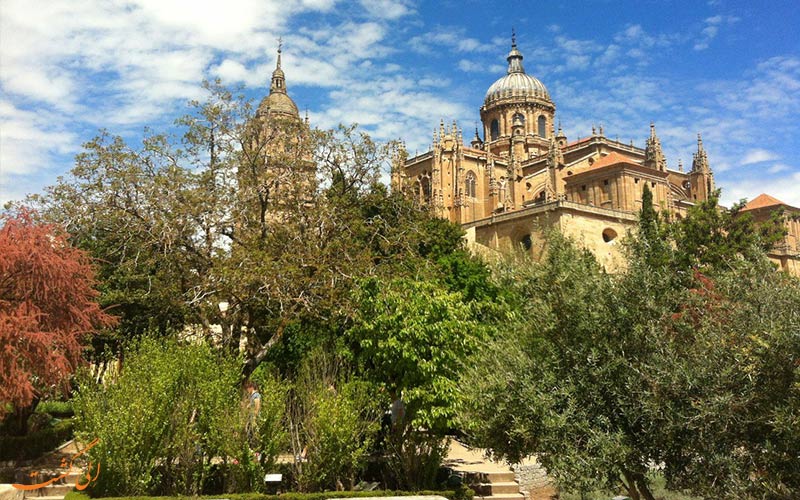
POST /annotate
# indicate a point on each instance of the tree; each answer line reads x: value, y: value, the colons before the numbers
x: 48, y: 307
x: 724, y: 386
x: 685, y: 359
x: 275, y: 219
x: 561, y: 381
x: 712, y: 237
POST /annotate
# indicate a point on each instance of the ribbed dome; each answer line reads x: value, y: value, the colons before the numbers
x: 278, y: 103
x: 516, y: 83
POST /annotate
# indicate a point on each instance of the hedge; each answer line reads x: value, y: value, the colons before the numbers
x: 35, y: 444
x: 59, y: 409
x: 460, y: 494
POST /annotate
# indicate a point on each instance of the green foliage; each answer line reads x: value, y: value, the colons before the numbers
x: 726, y: 386
x: 659, y: 364
x: 335, y: 419
x: 410, y: 338
x: 557, y: 383
x: 338, y: 432
x: 171, y: 409
x: 56, y: 408
x: 36, y: 443
x: 711, y: 237
x: 415, y: 457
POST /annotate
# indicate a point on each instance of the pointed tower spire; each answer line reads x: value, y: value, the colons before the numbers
x: 700, y: 162
x: 515, y: 56
x: 278, y: 83
x: 653, y: 155
x: 476, y: 143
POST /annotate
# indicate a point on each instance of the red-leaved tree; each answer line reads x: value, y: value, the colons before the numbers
x: 47, y: 306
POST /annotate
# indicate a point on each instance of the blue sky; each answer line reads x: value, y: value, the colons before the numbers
x: 730, y: 70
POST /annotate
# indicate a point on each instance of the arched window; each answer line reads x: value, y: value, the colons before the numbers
x: 520, y: 117
x: 609, y: 235
x: 495, y: 129
x: 526, y: 242
x: 471, y: 185
x: 425, y: 182
x: 542, y: 126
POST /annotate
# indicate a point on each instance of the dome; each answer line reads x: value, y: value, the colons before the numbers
x: 516, y: 83
x: 278, y: 103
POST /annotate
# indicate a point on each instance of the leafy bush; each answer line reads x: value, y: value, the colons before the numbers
x: 414, y: 458
x: 336, y: 421
x: 56, y: 408
x: 252, y: 458
x: 172, y: 409
x: 36, y: 443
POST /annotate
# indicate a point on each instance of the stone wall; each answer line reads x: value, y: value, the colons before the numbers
x: 533, y: 481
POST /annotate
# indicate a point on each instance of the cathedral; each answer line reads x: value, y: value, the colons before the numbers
x: 525, y: 176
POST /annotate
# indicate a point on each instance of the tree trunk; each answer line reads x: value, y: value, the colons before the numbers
x: 630, y: 485
x: 641, y: 484
x: 17, y: 421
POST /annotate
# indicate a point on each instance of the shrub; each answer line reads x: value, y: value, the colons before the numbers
x: 56, y: 408
x: 172, y: 408
x: 336, y: 421
x: 459, y: 494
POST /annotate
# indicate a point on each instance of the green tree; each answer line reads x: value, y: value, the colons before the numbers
x: 711, y: 237
x: 410, y: 337
x: 275, y: 219
x: 562, y: 381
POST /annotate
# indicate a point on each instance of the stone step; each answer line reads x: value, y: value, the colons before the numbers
x: 504, y: 496
x: 491, y: 477
x: 58, y: 489
x: 36, y: 497
x: 499, y: 488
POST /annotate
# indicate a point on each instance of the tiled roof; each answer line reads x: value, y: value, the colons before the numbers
x: 613, y: 158
x: 761, y: 201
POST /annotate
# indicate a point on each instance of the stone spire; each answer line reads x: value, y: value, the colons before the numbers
x: 700, y: 161
x: 278, y: 83
x: 476, y: 143
x: 561, y: 137
x: 515, y: 56
x: 555, y: 157
x: 653, y: 155
x: 278, y: 103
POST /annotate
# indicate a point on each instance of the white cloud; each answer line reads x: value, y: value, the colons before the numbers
x: 447, y: 39
x: 711, y: 29
x: 758, y: 156
x: 782, y: 187
x: 387, y: 9
x: 779, y: 167
x: 470, y: 66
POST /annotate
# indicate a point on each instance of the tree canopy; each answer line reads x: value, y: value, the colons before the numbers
x: 48, y: 305
x: 685, y: 359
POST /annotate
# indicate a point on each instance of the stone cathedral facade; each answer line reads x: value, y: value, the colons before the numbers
x: 525, y: 176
